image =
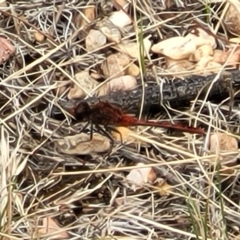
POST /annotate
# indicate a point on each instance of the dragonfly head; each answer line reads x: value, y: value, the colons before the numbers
x: 82, y: 111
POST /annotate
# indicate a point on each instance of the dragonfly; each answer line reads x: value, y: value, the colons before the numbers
x: 106, y: 114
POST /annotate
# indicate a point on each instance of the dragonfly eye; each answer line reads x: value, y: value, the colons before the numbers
x: 82, y: 111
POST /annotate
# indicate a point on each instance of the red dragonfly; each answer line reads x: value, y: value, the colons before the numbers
x: 104, y: 113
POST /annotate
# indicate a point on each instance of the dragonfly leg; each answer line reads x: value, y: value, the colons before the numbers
x: 85, y: 126
x: 117, y: 131
x: 108, y: 136
x: 105, y: 133
x: 91, y: 131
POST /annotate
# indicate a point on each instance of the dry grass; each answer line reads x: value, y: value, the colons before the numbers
x: 88, y: 195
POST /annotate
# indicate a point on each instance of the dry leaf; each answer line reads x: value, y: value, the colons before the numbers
x: 232, y: 59
x: 220, y: 56
x: 80, y: 144
x: 94, y: 40
x: 77, y: 19
x: 132, y: 48
x: 120, y: 19
x: 111, y: 31
x: 115, y: 65
x: 222, y: 141
x: 85, y: 81
x: 202, y: 51
x: 232, y: 18
x: 133, y: 70
x: 125, y: 134
x: 176, y: 48
x: 201, y: 37
x: 207, y: 65
x: 139, y: 176
x: 178, y: 66
x: 50, y: 227
x: 164, y: 187
x: 96, y: 75
x: 118, y: 84
x: 39, y: 37
x: 59, y: 90
x: 6, y: 49
x: 89, y: 14
x: 212, y: 67
x: 219, y: 142
x: 226, y: 171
